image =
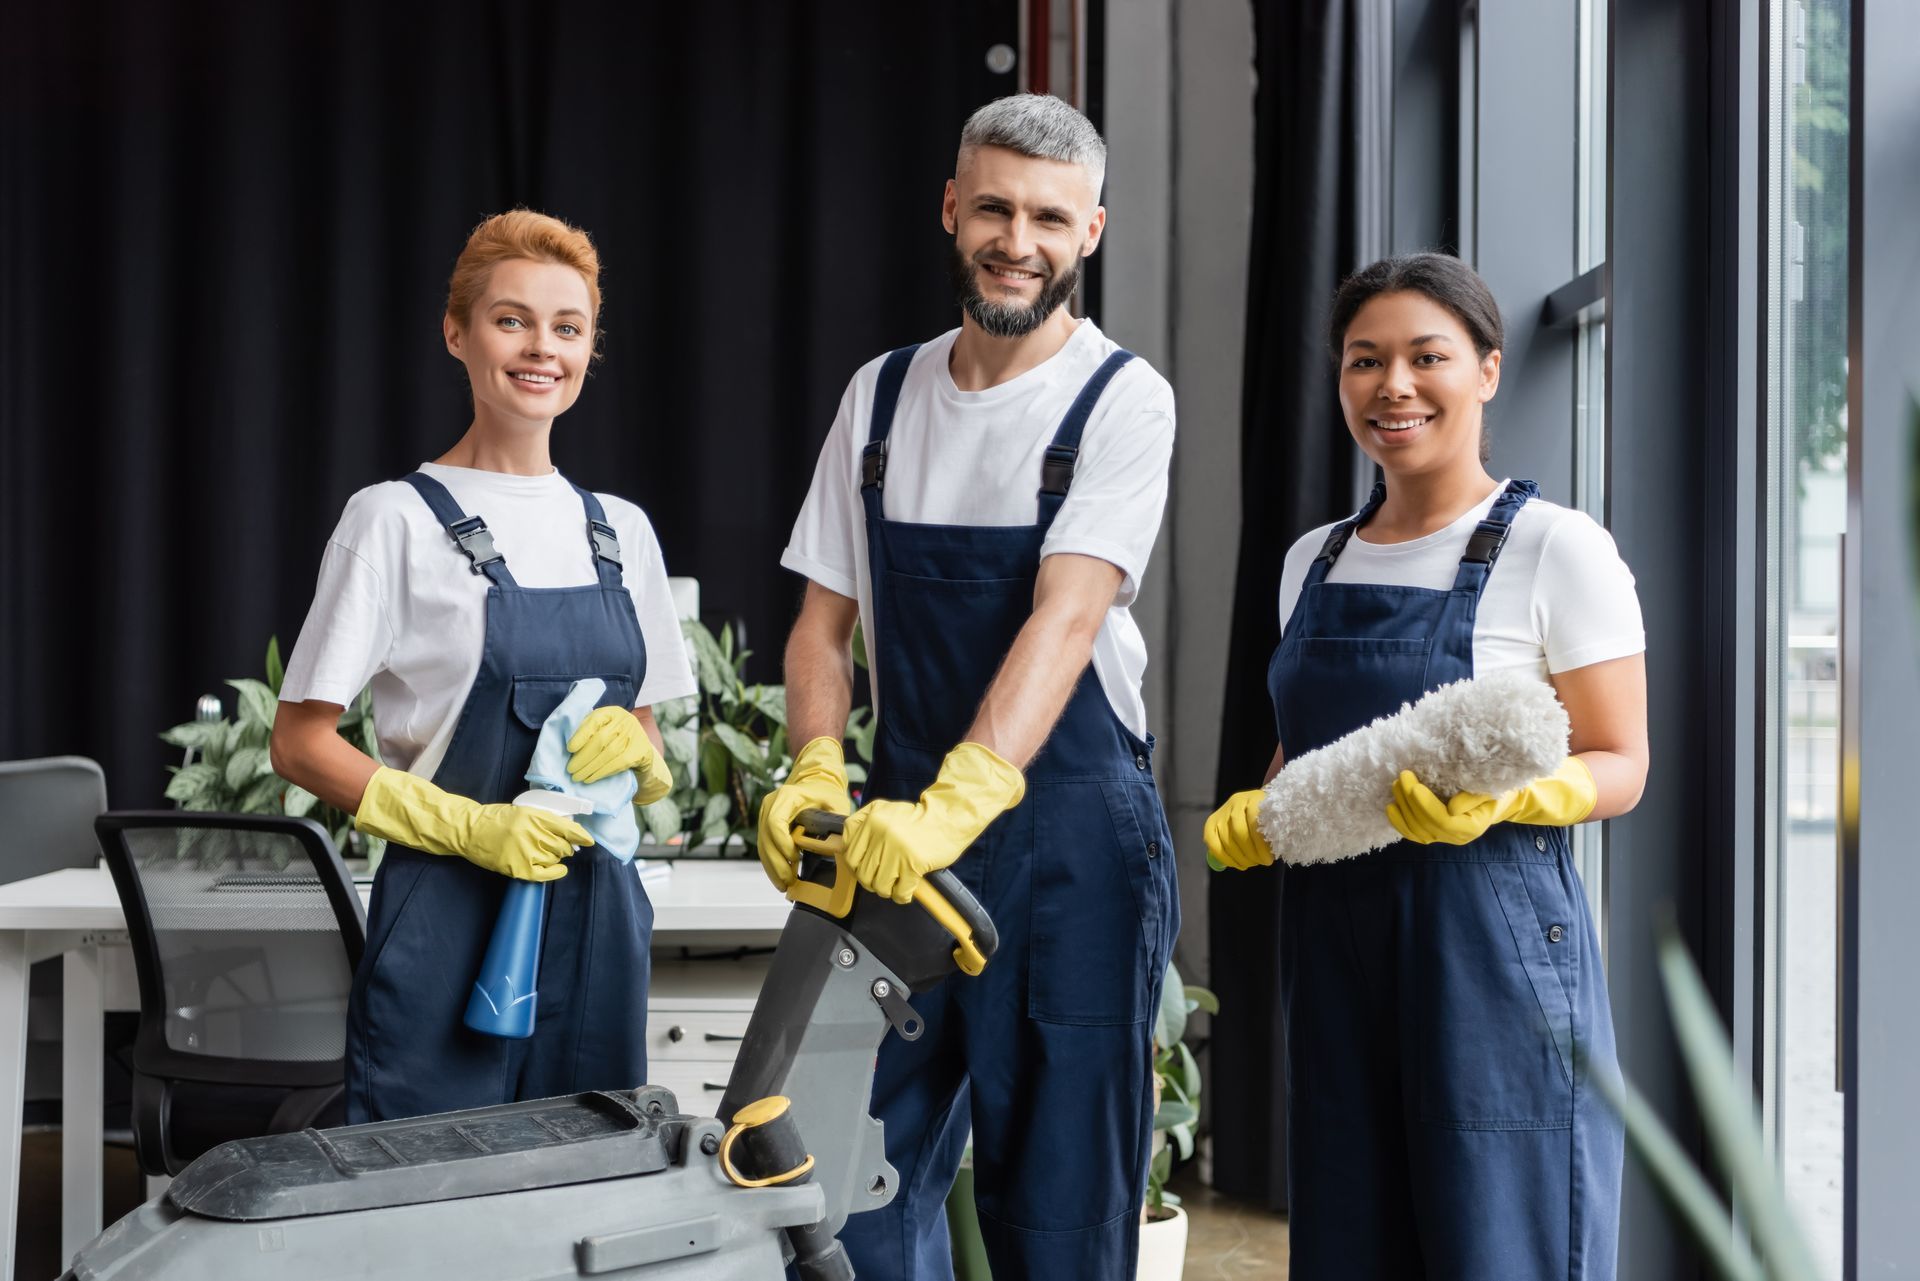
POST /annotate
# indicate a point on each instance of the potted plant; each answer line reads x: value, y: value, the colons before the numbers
x: 228, y: 768
x: 1176, y: 1113
x: 727, y: 747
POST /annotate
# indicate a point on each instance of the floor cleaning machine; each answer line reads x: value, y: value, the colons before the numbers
x: 609, y: 1184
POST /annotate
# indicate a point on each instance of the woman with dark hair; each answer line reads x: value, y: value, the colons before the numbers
x: 1444, y: 997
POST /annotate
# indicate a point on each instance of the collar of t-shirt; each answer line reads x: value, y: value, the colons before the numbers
x: 1075, y: 351
x: 1460, y: 528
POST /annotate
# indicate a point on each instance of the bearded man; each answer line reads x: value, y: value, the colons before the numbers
x: 985, y: 505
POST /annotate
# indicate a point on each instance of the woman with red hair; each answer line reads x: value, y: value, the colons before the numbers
x: 472, y: 594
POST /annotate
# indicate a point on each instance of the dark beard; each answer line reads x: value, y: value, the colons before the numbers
x: 1010, y: 319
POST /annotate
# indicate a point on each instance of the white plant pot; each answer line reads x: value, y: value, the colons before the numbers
x: 1163, y: 1247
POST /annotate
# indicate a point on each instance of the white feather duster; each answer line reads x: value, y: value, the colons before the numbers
x: 1490, y: 735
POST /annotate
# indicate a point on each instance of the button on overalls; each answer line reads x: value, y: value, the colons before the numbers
x: 1444, y: 1004
x: 408, y: 1050
x: 1046, y: 1054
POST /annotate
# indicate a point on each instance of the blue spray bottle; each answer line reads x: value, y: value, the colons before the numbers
x: 507, y: 990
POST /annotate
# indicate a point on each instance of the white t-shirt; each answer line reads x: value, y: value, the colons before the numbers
x: 974, y: 458
x: 1559, y: 596
x: 399, y: 605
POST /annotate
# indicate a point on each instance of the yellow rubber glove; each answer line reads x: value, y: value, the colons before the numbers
x: 817, y: 781
x: 612, y: 739
x: 1561, y: 799
x: 891, y: 845
x: 513, y: 840
x: 1233, y: 835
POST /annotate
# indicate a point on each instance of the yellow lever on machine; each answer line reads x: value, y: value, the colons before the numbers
x: 826, y: 840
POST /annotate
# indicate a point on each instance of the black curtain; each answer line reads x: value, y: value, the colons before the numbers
x: 227, y: 228
x: 1296, y: 472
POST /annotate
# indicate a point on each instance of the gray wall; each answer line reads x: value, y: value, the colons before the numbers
x: 1179, y: 124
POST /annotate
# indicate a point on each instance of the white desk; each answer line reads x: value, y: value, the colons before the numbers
x: 76, y: 914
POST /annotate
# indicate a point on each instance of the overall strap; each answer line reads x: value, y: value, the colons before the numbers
x: 1490, y: 535
x: 886, y: 397
x: 1337, y: 537
x: 469, y: 533
x: 1056, y: 473
x: 604, y: 543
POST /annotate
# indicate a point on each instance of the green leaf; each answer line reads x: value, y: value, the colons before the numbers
x: 1159, y: 1169
x: 1684, y: 1188
x: 1189, y: 1071
x: 198, y: 735
x: 298, y: 801
x: 254, y: 735
x: 742, y: 748
x: 1171, y: 1023
x: 859, y: 644
x: 714, y: 764
x: 1727, y: 1113
x: 257, y: 703
x: 711, y: 667
x: 683, y: 749
x: 276, y: 670
x: 662, y: 820
x: 770, y: 701
x: 191, y: 785
x: 246, y: 765
x: 1173, y: 1112
x: 1201, y: 998
x: 261, y: 796
x: 713, y: 820
x: 856, y: 774
x: 1182, y: 1136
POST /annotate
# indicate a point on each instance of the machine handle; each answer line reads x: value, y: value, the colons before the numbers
x: 822, y: 832
x: 720, y: 1036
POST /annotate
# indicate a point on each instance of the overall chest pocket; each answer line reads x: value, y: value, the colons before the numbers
x: 531, y: 702
x: 1325, y: 687
x: 941, y: 641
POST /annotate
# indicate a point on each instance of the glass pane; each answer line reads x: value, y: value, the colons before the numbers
x: 1592, y: 144
x: 1590, y: 360
x: 1807, y: 373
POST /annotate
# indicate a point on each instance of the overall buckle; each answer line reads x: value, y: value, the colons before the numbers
x: 873, y: 464
x: 471, y: 536
x: 1056, y: 473
x: 1489, y: 536
x: 606, y: 543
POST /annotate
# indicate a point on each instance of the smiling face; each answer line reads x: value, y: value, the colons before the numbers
x: 1412, y: 385
x: 1021, y: 226
x: 527, y: 342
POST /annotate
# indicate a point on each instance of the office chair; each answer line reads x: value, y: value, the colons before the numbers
x: 246, y: 931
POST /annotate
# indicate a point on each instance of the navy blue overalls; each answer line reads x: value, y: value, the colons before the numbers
x: 1046, y: 1055
x: 1444, y: 1004
x: 408, y: 1050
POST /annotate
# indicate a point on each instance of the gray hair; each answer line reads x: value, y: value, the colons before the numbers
x: 1038, y: 125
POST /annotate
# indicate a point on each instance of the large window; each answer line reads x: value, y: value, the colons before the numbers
x: 1806, y: 291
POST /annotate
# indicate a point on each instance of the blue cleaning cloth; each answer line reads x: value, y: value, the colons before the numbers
x: 615, y: 827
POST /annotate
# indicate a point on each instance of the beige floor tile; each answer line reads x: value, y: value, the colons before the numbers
x: 1231, y: 1239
